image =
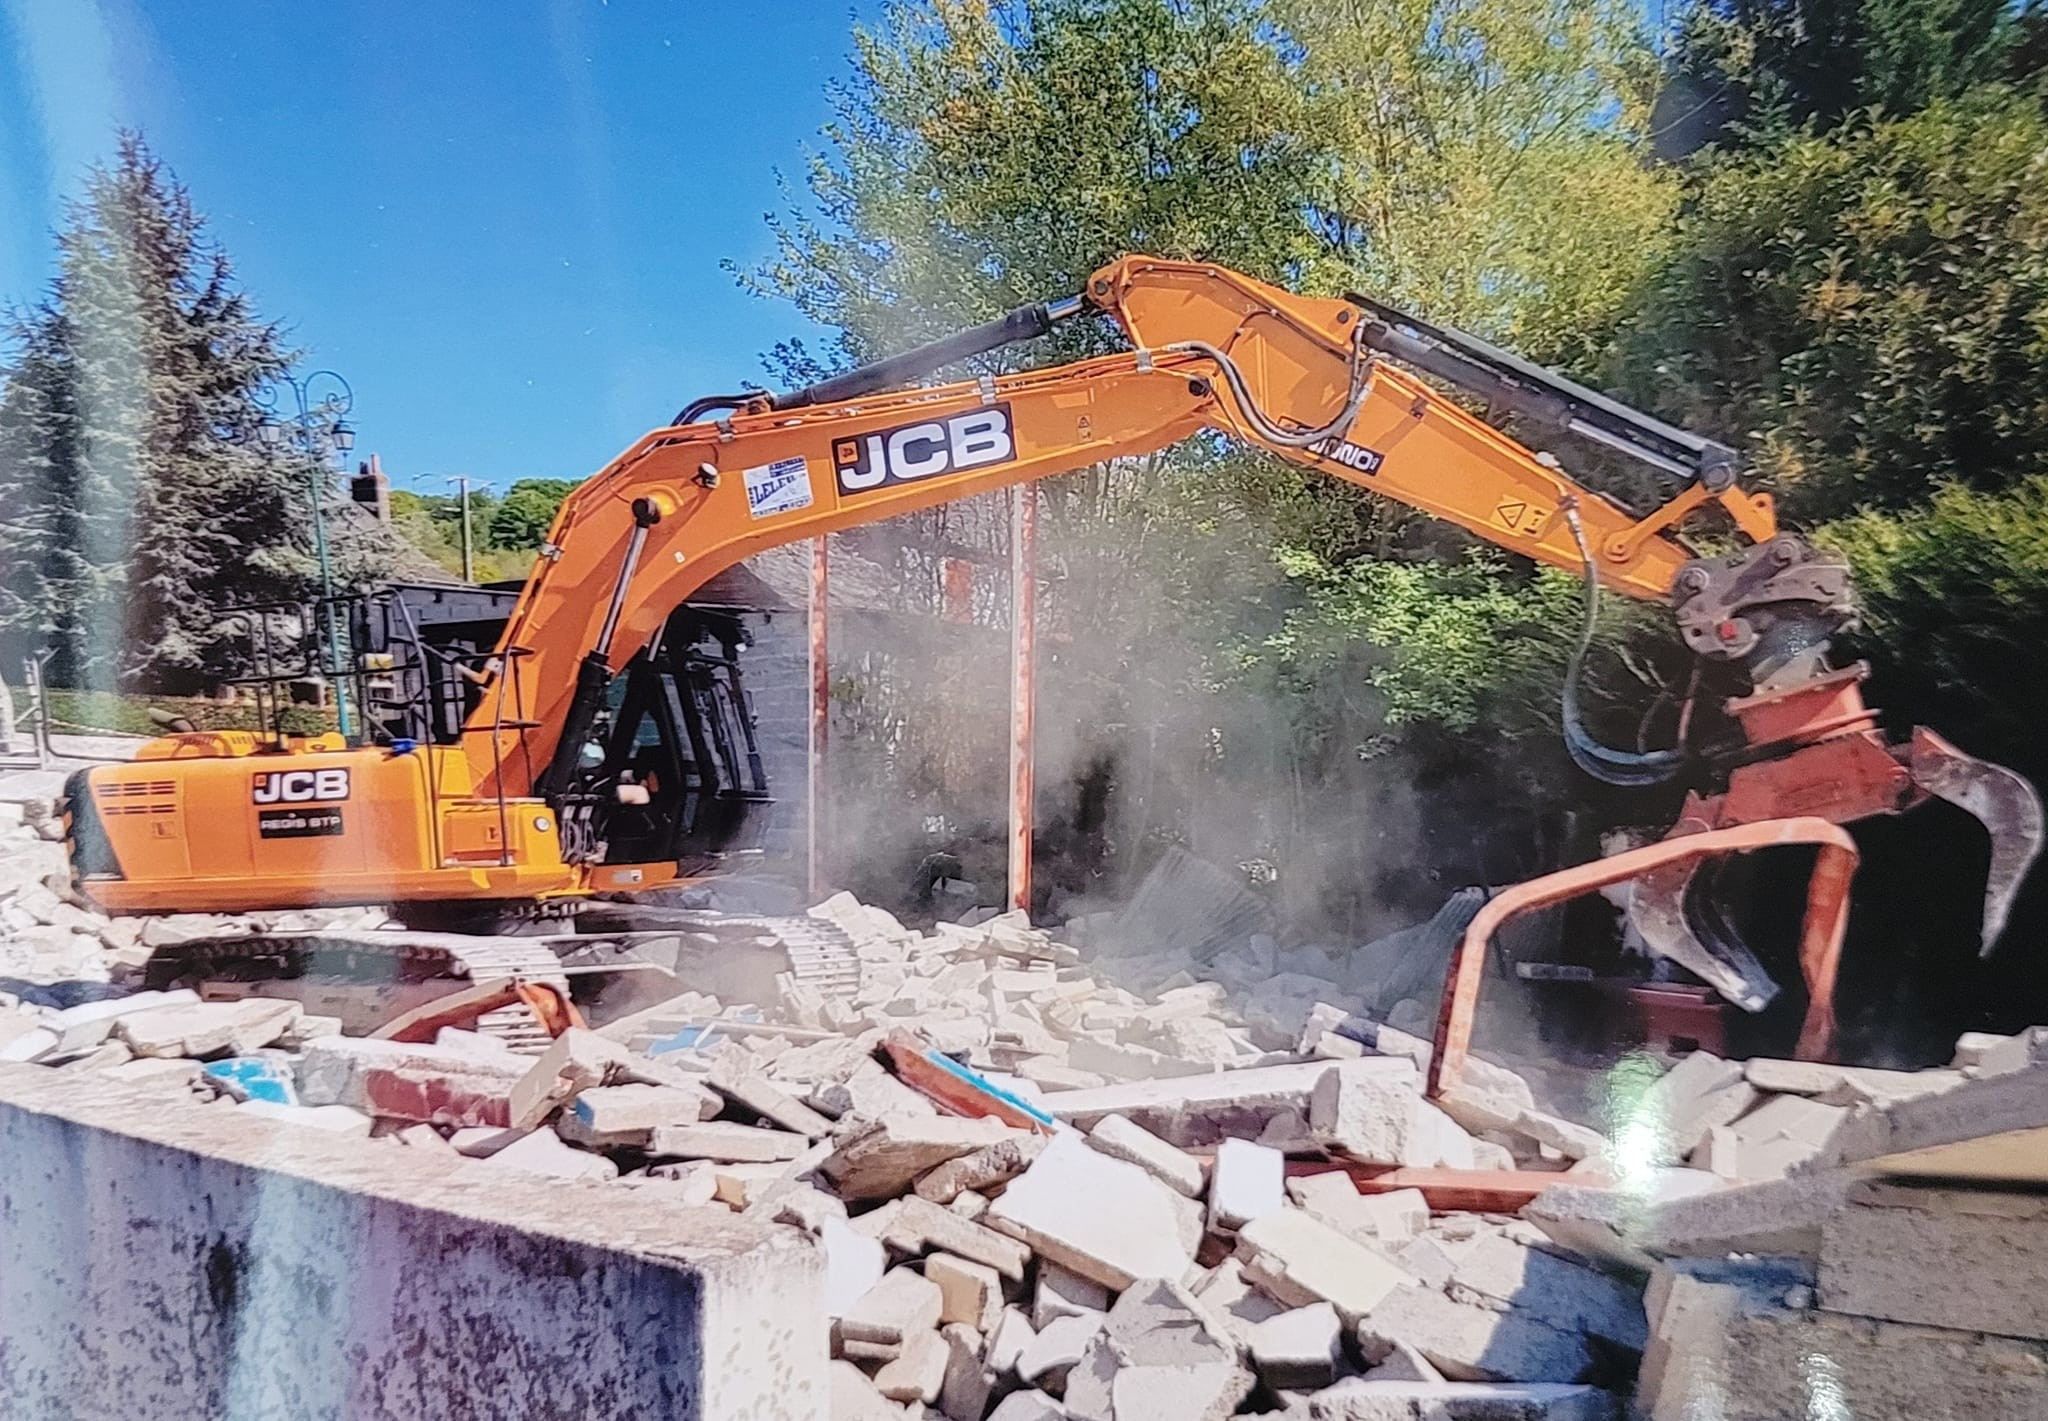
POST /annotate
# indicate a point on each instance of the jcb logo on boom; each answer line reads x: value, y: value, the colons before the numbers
x: 909, y: 452
x: 299, y: 786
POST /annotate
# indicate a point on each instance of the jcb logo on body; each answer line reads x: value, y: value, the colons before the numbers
x: 299, y: 786
x: 906, y: 453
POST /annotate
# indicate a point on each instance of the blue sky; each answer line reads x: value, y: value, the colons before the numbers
x: 501, y: 222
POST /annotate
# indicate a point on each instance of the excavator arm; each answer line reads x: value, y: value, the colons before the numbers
x: 1306, y: 379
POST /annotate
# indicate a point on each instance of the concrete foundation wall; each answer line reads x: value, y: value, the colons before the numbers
x: 166, y: 1259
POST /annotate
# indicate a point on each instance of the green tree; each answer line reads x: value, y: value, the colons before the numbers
x: 134, y: 505
x: 1473, y: 159
x: 522, y: 518
x: 1775, y: 66
x: 1866, y: 312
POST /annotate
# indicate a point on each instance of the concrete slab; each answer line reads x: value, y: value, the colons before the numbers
x: 289, y: 1271
x: 1198, y: 1111
x: 1993, y: 1130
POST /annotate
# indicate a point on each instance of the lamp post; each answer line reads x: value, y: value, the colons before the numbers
x: 461, y: 481
x: 318, y: 431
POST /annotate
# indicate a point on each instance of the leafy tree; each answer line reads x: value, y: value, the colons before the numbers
x: 522, y: 519
x: 1867, y: 312
x: 134, y: 503
x: 1474, y: 159
x: 1767, y: 67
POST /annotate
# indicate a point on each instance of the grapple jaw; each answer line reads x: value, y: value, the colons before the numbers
x: 2004, y: 803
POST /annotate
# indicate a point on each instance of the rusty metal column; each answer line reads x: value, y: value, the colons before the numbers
x: 821, y: 721
x: 1023, y: 671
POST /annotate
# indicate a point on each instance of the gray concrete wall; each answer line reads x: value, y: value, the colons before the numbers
x: 160, y: 1258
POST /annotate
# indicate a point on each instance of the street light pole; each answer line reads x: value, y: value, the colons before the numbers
x: 461, y: 481
x: 318, y: 431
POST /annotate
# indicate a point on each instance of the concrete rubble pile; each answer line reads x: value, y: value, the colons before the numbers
x: 1040, y: 1194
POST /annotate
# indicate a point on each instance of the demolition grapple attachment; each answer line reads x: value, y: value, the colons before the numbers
x: 1815, y: 750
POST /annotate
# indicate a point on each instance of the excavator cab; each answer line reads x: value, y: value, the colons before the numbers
x: 681, y: 774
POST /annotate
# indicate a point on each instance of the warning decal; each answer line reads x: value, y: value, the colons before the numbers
x: 1518, y: 516
x: 781, y: 487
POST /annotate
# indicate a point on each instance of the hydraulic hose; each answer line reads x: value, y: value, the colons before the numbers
x: 1603, y: 762
x: 1263, y: 424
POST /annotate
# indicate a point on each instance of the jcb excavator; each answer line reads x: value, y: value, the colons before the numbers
x: 603, y: 741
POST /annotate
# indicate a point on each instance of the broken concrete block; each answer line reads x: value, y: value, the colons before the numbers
x: 1975, y: 1259
x: 916, y: 1226
x: 1778, y: 1134
x: 854, y: 1398
x: 540, y: 1152
x: 334, y: 1119
x: 760, y: 1096
x: 197, y: 1029
x: 1061, y: 1292
x: 1371, y: 1399
x: 725, y: 1143
x: 1574, y: 1142
x: 618, y: 1116
x: 1779, y: 1218
x: 575, y: 1062
x: 853, y: 1264
x: 1199, y: 1111
x: 1120, y: 1139
x: 1298, y: 1350
x: 1247, y: 1184
x: 969, y: 1292
x: 917, y: 1372
x: 969, y: 1382
x: 883, y: 1160
x: 1403, y: 1363
x: 806, y: 1206
x: 2014, y: 1053
x: 1027, y: 1406
x: 160, y: 1072
x: 1160, y: 1354
x: 1429, y: 1260
x: 1378, y: 1120
x: 408, y: 1081
x: 904, y: 1304
x: 1013, y: 1333
x: 1971, y: 1048
x: 24, y: 1038
x: 1103, y: 1218
x: 88, y: 1024
x: 1468, y: 1342
x: 1386, y: 1219
x: 743, y: 1184
x: 1302, y: 1261
x: 1497, y: 1271
x: 1676, y: 1110
x: 980, y: 1170
x: 1855, y: 1084
x: 1228, y: 1294
x: 1606, y: 1224
x: 1730, y: 1326
x: 689, y: 1182
x: 1051, y: 1354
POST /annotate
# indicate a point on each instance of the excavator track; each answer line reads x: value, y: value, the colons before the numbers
x: 366, y: 978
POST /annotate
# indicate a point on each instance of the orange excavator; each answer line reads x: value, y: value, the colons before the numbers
x: 602, y: 748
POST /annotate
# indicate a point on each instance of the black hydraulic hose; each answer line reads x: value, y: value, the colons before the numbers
x: 1603, y: 762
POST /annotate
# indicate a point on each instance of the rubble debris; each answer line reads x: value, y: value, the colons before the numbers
x: 1152, y: 1254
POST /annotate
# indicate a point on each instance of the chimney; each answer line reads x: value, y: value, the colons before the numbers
x: 371, y: 489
